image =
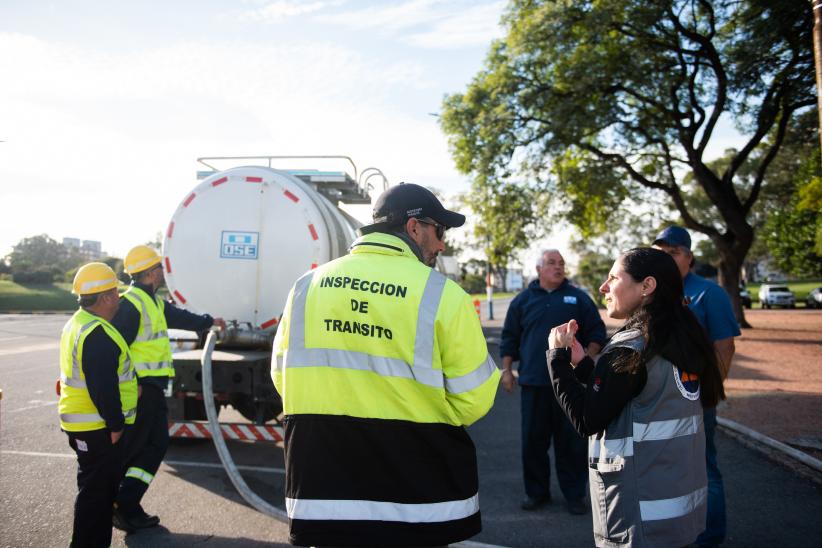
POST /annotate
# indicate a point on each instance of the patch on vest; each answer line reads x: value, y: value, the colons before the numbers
x: 687, y: 383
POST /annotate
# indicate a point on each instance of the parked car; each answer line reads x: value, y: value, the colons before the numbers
x: 744, y: 296
x: 776, y: 295
x: 815, y: 298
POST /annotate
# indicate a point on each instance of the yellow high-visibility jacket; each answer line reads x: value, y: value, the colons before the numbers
x: 151, y: 349
x: 77, y: 411
x: 380, y: 362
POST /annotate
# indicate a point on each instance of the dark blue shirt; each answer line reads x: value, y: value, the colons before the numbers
x: 531, y: 316
x: 127, y: 322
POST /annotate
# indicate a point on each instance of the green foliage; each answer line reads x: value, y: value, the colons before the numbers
x: 602, y: 104
x: 791, y: 231
x: 505, y: 217
x: 41, y: 260
x: 472, y: 283
x: 14, y: 296
x: 592, y: 271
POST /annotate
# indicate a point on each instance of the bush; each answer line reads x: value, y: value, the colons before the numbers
x: 473, y: 283
x: 41, y: 275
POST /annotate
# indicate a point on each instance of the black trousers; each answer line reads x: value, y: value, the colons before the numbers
x: 146, y: 443
x: 98, y: 474
x: 542, y: 421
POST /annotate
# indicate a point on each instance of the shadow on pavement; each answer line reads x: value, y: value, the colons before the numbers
x: 162, y: 537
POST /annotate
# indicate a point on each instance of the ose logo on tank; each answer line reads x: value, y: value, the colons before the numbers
x: 239, y: 245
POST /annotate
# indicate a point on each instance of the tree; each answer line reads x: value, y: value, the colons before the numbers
x: 505, y: 220
x: 791, y: 231
x: 608, y: 102
x: 40, y: 259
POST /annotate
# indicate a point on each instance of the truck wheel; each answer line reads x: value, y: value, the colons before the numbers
x: 256, y: 412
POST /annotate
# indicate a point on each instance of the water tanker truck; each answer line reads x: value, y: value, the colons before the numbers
x: 233, y: 248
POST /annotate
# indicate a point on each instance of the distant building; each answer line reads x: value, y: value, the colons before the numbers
x: 90, y: 250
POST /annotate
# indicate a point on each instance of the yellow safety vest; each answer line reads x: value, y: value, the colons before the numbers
x: 151, y: 349
x: 380, y: 361
x: 394, y: 322
x: 77, y: 411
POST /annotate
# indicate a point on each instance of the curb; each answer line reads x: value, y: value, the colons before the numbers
x: 761, y: 439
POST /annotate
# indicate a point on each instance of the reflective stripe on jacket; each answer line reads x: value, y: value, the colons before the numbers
x: 77, y: 411
x: 380, y: 362
x: 151, y: 349
x: 647, y: 468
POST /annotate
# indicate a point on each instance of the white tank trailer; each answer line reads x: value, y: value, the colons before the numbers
x: 233, y: 248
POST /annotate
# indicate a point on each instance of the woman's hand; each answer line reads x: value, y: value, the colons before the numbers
x: 563, y: 336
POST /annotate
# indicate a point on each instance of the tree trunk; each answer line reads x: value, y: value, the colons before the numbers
x: 732, y: 251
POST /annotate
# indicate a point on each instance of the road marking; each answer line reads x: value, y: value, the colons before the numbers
x: 41, y: 404
x: 30, y: 348
x: 463, y: 544
x: 35, y: 454
x: 190, y: 463
x: 472, y: 544
x: 3, y: 339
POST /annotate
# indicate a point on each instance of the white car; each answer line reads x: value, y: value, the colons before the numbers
x: 776, y: 295
x: 815, y: 298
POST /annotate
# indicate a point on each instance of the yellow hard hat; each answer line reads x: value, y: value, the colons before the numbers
x: 93, y: 278
x: 140, y: 258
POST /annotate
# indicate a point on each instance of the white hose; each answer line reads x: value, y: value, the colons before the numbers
x: 219, y: 443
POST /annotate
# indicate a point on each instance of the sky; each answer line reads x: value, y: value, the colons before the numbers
x: 106, y: 105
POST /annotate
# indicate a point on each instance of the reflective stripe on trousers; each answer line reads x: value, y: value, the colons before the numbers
x: 369, y: 510
x: 421, y: 371
x: 140, y: 474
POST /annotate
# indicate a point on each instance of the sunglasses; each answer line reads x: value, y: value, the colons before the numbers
x: 440, y: 229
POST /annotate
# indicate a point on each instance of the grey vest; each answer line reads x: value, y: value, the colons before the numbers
x: 647, y: 468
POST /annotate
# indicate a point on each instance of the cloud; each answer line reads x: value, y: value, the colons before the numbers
x: 280, y: 10
x: 433, y: 24
x: 102, y: 145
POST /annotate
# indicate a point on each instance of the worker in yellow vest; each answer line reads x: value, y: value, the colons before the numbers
x: 381, y: 362
x: 98, y: 398
x: 143, y: 319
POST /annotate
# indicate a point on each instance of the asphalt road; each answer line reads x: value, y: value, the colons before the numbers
x: 767, y: 503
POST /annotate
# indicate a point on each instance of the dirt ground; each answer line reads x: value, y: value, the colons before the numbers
x: 775, y: 383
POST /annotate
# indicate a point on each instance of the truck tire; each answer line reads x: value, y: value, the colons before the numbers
x: 256, y: 412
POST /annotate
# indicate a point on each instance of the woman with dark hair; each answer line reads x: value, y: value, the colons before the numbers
x: 640, y: 405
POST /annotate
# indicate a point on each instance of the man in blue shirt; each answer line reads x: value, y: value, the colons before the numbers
x: 712, y: 307
x: 548, y: 302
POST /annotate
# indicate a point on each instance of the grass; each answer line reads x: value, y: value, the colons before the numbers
x: 23, y: 297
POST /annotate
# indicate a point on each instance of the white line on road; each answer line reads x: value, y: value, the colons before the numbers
x: 30, y: 348
x: 42, y: 404
x: 464, y: 544
x: 190, y: 463
x: 3, y: 339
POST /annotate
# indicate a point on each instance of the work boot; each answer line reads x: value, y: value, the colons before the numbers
x: 131, y: 522
x: 148, y: 518
x: 532, y: 503
x: 119, y: 522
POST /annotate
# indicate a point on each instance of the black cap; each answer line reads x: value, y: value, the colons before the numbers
x: 404, y: 201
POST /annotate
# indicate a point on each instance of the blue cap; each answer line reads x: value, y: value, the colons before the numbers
x: 674, y: 235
